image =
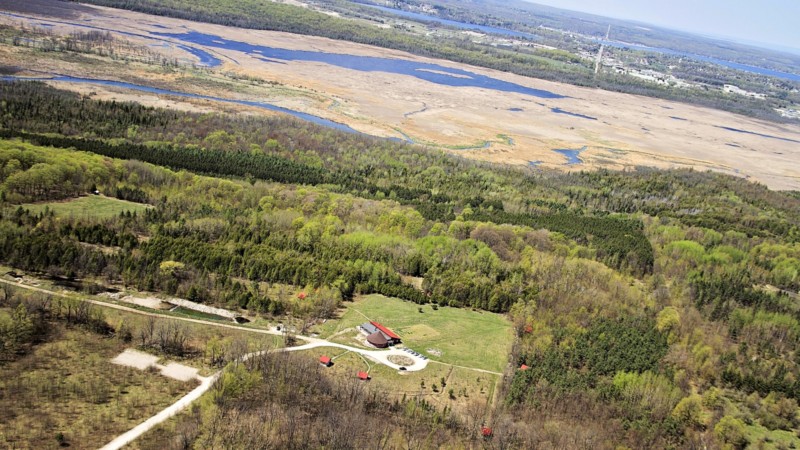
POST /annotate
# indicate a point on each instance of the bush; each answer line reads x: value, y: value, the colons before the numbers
x: 730, y: 430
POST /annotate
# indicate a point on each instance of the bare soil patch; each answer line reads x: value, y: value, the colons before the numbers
x: 179, y: 372
x: 136, y: 359
x: 147, y: 302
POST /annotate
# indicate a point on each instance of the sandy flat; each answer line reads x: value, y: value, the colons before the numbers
x: 143, y: 361
x: 179, y: 372
x: 627, y: 130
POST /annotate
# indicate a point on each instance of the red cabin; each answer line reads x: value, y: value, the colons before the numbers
x: 486, y: 432
x: 325, y: 361
x: 524, y: 367
x: 363, y: 376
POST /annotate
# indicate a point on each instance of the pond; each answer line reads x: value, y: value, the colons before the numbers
x: 433, y: 73
x: 573, y: 155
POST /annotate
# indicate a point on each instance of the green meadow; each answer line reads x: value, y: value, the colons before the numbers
x: 89, y: 207
x: 476, y: 339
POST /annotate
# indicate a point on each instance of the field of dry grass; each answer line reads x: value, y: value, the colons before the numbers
x: 68, y: 391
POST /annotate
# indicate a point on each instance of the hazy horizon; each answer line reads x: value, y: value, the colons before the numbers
x: 770, y: 24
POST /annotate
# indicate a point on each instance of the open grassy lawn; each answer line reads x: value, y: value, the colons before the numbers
x: 92, y: 206
x: 68, y: 385
x: 476, y: 339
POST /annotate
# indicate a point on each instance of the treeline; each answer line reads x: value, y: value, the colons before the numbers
x: 675, y: 194
x: 36, y: 108
x: 620, y: 242
x: 382, y: 169
x: 218, y: 162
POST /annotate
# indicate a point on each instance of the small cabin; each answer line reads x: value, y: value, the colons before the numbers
x: 486, y: 432
x: 325, y: 361
x: 524, y: 367
x: 363, y: 376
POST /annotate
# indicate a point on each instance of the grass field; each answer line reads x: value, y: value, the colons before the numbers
x: 69, y: 386
x: 93, y: 206
x: 476, y: 339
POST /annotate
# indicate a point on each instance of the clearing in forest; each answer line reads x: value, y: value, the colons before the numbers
x: 93, y: 206
x: 465, y: 337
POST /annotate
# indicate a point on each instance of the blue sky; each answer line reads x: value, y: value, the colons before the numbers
x: 775, y: 23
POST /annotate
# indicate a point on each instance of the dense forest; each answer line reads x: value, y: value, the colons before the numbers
x: 652, y: 308
x: 520, y: 60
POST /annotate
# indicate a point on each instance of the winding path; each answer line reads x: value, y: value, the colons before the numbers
x: 131, y: 435
x: 379, y: 356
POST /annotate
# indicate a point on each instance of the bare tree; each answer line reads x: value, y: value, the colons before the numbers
x: 147, y: 331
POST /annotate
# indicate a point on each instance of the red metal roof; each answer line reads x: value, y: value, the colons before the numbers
x: 324, y: 360
x: 486, y: 431
x: 385, y: 330
x: 363, y: 375
x: 524, y: 367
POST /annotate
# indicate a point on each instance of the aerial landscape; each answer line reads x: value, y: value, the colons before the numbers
x: 397, y: 224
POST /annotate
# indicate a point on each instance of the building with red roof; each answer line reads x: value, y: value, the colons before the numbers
x: 370, y: 328
x: 524, y: 367
x: 363, y: 376
x: 486, y: 431
x: 389, y: 333
x: 325, y: 361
